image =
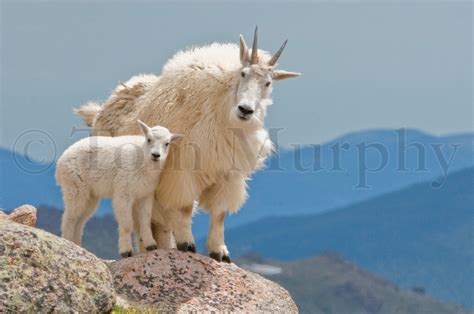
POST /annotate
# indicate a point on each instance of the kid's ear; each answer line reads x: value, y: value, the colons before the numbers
x: 144, y: 127
x: 175, y: 137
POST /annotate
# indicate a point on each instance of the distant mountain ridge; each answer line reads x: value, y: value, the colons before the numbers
x: 417, y: 236
x: 25, y: 181
x: 330, y: 284
x: 322, y: 284
x: 292, y: 192
x: 283, y: 188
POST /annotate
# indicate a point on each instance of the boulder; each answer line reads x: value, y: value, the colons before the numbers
x: 25, y: 214
x: 40, y: 272
x: 172, y: 281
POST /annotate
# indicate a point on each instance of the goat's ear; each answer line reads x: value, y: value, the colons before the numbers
x: 144, y: 127
x: 244, y: 51
x: 175, y: 137
x: 283, y: 75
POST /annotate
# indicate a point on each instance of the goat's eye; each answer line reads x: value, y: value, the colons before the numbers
x: 267, y: 84
x: 167, y: 144
x: 148, y: 140
x: 242, y: 74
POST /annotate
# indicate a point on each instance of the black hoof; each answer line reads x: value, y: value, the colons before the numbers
x: 183, y: 247
x: 126, y: 254
x: 186, y: 247
x: 226, y: 259
x: 216, y: 256
x: 151, y: 247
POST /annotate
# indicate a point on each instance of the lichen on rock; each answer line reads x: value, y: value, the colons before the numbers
x: 172, y: 281
x: 40, y: 272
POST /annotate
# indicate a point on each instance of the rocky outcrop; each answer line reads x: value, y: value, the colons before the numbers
x: 40, y: 272
x: 172, y: 281
x: 25, y: 214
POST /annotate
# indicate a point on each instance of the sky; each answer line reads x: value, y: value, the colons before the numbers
x: 364, y: 64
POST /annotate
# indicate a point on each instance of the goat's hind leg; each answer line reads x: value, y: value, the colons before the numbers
x: 75, y: 207
x: 161, y: 228
x: 163, y: 236
x: 181, y: 220
x: 89, y: 209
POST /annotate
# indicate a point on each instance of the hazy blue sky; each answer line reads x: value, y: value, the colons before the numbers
x: 364, y: 64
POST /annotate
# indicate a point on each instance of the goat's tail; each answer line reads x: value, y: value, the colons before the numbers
x: 88, y: 111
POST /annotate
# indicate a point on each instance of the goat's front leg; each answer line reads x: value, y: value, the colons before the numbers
x: 123, y: 214
x: 136, y: 229
x: 227, y: 196
x: 215, y: 238
x: 143, y: 215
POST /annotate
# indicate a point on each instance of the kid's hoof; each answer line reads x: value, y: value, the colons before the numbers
x: 226, y: 259
x: 126, y: 254
x: 151, y: 247
x: 186, y: 247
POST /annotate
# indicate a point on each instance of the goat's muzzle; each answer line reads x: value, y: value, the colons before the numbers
x: 245, y: 112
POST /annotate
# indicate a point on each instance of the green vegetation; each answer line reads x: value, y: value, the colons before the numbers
x: 131, y: 310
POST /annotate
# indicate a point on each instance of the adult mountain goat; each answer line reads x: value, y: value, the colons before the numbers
x: 217, y: 96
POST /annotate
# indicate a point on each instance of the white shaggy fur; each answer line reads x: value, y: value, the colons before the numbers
x: 124, y: 168
x: 217, y: 97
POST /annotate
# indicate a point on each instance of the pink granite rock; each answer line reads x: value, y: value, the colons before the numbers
x: 172, y: 281
x: 25, y: 215
x: 43, y: 273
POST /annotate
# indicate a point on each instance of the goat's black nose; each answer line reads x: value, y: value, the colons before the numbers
x: 246, y: 110
x: 156, y: 156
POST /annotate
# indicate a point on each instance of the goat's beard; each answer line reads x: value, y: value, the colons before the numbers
x: 252, y: 123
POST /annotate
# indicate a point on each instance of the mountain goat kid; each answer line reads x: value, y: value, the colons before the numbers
x: 124, y: 168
